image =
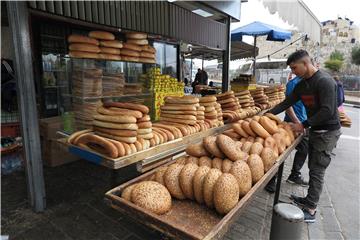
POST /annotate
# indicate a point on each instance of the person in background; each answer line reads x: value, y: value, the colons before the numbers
x: 294, y: 114
x: 340, y: 94
x: 271, y: 81
x: 198, y: 76
x: 186, y: 81
x: 318, y: 92
x: 211, y: 84
x: 204, y: 77
x: 193, y: 85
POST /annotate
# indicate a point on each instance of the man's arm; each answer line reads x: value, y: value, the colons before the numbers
x: 290, y: 112
x: 288, y: 102
x: 327, y: 101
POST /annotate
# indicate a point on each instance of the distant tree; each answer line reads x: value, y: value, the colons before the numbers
x: 355, y: 55
x: 335, y: 62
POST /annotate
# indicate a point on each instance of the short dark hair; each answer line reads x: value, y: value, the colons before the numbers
x: 295, y: 56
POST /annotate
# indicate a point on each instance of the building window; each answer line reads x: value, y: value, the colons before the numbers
x: 353, y: 40
x: 166, y: 58
x: 345, y: 34
x: 340, y: 34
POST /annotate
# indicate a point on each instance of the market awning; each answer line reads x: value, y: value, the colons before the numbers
x: 241, y: 50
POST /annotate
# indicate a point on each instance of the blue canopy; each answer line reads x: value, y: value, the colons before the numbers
x: 260, y: 29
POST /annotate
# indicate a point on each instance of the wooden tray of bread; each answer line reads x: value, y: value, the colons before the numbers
x: 159, y: 151
x: 187, y: 219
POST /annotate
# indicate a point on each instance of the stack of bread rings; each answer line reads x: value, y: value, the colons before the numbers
x: 212, y: 111
x: 109, y: 47
x: 137, y: 48
x: 113, y: 84
x: 260, y: 99
x: 84, y: 112
x: 86, y: 82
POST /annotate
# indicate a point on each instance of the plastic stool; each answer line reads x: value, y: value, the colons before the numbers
x: 286, y: 222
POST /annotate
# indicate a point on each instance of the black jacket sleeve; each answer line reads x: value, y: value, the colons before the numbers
x: 288, y: 102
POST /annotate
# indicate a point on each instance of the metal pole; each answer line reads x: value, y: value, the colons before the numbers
x: 191, y: 68
x: 254, y: 59
x: 278, y: 183
x: 226, y: 58
x: 19, y: 24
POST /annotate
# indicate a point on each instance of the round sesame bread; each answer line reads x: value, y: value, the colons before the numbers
x: 209, y: 183
x: 197, y: 150
x: 159, y: 175
x: 258, y: 129
x: 226, y: 193
x: 171, y: 179
x: 198, y: 181
x: 268, y: 157
x: 246, y: 146
x: 211, y: 146
x: 256, y: 148
x: 186, y: 180
x: 242, y: 173
x: 229, y: 148
x: 256, y: 166
x: 260, y: 140
x: 239, y: 130
x: 205, y: 161
x: 217, y: 163
x: 181, y: 160
x: 191, y: 159
x: 152, y: 196
x: 226, y: 165
x: 126, y: 193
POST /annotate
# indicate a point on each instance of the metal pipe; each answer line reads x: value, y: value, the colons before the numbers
x: 226, y: 58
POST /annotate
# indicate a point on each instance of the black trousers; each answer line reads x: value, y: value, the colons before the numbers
x: 300, y: 156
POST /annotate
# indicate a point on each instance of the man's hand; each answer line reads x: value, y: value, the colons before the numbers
x: 297, y: 127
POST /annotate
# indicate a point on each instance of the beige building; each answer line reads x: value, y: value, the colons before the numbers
x: 340, y: 31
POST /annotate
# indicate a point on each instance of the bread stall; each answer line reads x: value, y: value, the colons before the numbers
x: 199, y: 193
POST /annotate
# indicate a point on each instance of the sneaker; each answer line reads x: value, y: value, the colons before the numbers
x: 298, y: 200
x: 293, y: 179
x: 308, y: 218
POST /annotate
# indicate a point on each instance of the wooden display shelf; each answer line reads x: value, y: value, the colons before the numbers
x: 148, y: 155
x: 187, y: 219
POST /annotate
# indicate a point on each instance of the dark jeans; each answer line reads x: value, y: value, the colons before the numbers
x: 300, y: 156
x: 320, y: 147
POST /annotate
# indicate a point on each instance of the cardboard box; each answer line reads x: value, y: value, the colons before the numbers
x: 55, y: 153
x: 49, y: 127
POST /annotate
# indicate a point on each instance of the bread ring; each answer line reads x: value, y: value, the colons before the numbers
x: 145, y: 118
x: 119, y: 112
x: 239, y: 130
x: 182, y: 100
x: 116, y: 132
x: 130, y: 53
x: 102, y: 35
x: 144, y: 125
x: 270, y: 143
x: 149, y: 49
x: 83, y: 47
x: 166, y: 134
x: 120, y: 139
x: 146, y: 136
x: 208, y: 104
x: 132, y: 106
x: 133, y: 147
x: 269, y: 125
x: 74, y: 38
x: 228, y: 100
x: 174, y: 130
x: 147, y: 55
x: 144, y: 131
x: 246, y: 126
x: 185, y: 117
x: 197, y: 150
x: 163, y: 136
x: 207, y: 99
x: 138, y: 41
x: 259, y: 140
x: 136, y: 35
x: 108, y: 50
x: 111, y: 44
x: 229, y: 147
x: 174, y: 112
x: 128, y: 150
x: 280, y: 142
x: 274, y: 117
x: 107, y: 56
x: 138, y: 146
x: 258, y: 129
x: 115, y: 119
x: 129, y: 58
x: 120, y: 147
x: 132, y: 48
x: 179, y: 107
x: 72, y: 137
x: 176, y: 120
x: 107, y: 146
x: 211, y: 146
x: 125, y: 126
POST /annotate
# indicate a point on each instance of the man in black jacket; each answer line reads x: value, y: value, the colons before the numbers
x: 318, y: 92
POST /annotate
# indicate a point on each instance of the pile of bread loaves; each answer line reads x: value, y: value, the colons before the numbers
x: 103, y: 45
x: 220, y: 170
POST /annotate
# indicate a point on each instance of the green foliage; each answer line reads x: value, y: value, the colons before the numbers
x: 336, y: 55
x: 334, y: 64
x: 355, y: 55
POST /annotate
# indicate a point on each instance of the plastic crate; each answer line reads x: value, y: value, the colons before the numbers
x: 10, y: 130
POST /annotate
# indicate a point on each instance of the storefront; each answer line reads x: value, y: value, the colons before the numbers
x: 67, y: 85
